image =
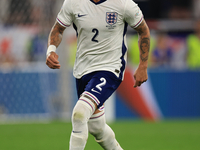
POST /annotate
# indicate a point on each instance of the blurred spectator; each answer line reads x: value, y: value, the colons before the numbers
x: 193, y: 44
x: 178, y: 46
x: 158, y: 9
x: 19, y: 12
x: 37, y: 48
x: 162, y: 9
x: 196, y: 8
x: 162, y: 54
x: 180, y: 9
x: 3, y: 10
x: 30, y: 12
x: 43, y: 12
x: 5, y: 51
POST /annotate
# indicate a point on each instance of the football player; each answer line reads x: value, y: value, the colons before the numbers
x: 99, y: 67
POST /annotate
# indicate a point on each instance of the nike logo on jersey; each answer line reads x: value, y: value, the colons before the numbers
x: 81, y: 15
x: 95, y: 91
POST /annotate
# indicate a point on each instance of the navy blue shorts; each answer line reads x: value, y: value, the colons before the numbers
x: 99, y: 85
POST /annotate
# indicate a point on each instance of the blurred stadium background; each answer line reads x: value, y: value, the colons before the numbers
x: 30, y: 92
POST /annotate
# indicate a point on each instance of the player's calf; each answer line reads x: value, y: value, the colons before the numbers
x: 103, y: 134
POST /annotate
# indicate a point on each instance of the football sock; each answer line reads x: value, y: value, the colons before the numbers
x: 82, y: 111
x: 103, y: 134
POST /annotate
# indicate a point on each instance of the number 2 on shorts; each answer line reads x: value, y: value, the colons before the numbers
x: 103, y: 82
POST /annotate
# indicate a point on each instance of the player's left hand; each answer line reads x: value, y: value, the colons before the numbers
x: 140, y: 76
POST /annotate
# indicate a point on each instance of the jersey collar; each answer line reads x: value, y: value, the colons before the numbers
x: 101, y: 1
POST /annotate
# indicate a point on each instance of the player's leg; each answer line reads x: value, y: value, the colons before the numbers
x: 84, y: 106
x: 82, y: 111
x: 95, y: 89
x: 103, y: 134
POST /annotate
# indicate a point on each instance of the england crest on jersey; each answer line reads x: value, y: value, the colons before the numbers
x: 111, y: 18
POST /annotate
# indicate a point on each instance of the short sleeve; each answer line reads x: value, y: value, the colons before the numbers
x: 64, y: 17
x: 132, y: 13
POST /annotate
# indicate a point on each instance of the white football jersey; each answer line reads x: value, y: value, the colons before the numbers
x: 101, y: 29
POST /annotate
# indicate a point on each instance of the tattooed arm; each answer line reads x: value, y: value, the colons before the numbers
x: 54, y: 40
x: 140, y: 74
x: 56, y: 33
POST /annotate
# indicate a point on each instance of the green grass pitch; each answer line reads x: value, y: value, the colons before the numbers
x: 132, y: 135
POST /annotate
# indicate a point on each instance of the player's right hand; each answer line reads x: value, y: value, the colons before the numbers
x: 52, y: 61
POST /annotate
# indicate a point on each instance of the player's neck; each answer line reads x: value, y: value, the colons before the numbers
x: 96, y: 1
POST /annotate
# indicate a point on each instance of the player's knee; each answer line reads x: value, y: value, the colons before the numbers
x: 78, y: 116
x: 81, y: 112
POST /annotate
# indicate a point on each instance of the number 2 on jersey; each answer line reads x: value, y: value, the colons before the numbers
x: 95, y: 35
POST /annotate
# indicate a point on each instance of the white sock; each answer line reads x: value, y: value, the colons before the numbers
x: 82, y: 111
x: 103, y: 134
